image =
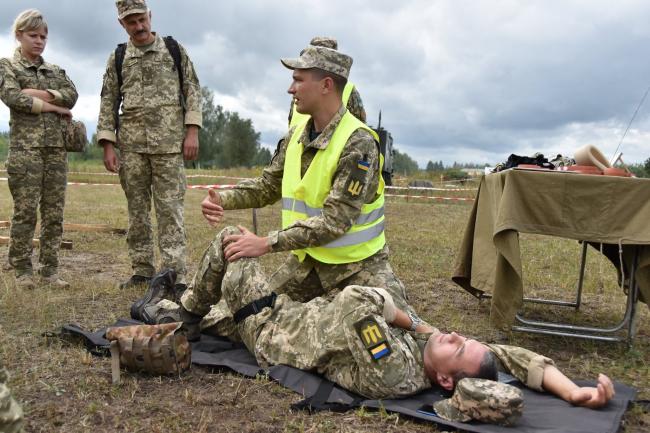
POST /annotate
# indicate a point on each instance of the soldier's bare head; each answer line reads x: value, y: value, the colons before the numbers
x: 450, y: 357
x: 30, y: 30
x: 28, y: 20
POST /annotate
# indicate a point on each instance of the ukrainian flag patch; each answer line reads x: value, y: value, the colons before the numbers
x: 373, y: 338
x: 380, y: 351
x: 363, y: 165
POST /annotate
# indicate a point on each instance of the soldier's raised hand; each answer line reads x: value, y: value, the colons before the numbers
x: 211, y: 208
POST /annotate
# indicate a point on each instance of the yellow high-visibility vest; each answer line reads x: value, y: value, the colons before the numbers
x: 297, y: 118
x: 304, y: 197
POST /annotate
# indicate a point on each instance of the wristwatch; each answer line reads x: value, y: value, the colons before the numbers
x: 415, y: 321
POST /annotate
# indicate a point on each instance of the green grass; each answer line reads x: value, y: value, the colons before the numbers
x: 63, y: 389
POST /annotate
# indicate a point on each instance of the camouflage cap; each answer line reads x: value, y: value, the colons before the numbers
x: 324, y: 41
x: 482, y: 400
x: 323, y: 58
x: 129, y: 7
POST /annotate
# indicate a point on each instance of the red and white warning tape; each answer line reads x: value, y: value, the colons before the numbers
x: 228, y: 186
x: 431, y: 197
x: 428, y: 188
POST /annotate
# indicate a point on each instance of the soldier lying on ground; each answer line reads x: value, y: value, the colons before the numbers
x: 359, y: 340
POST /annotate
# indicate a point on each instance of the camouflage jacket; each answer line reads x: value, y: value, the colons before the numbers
x: 29, y: 127
x: 354, y: 106
x: 341, y: 208
x: 152, y: 119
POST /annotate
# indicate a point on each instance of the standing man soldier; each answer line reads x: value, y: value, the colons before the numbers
x: 351, y: 97
x: 327, y: 173
x: 155, y: 82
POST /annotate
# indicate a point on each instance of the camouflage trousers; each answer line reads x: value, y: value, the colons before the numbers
x: 319, y: 335
x: 11, y: 414
x: 304, y: 281
x: 37, y: 179
x: 161, y: 177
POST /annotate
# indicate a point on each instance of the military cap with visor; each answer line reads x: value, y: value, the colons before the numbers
x: 130, y: 7
x: 323, y: 58
x: 482, y: 400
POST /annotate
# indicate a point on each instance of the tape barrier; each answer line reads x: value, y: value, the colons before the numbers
x: 428, y: 188
x: 425, y: 197
x: 228, y: 186
x: 194, y: 176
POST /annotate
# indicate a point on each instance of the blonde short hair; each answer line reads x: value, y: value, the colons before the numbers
x: 27, y: 20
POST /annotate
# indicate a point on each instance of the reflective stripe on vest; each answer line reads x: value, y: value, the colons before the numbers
x: 297, y: 118
x: 291, y: 204
x: 304, y: 197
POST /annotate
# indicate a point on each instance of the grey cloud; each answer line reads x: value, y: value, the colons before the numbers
x: 456, y: 80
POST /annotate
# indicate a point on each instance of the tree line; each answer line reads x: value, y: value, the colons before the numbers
x: 227, y: 140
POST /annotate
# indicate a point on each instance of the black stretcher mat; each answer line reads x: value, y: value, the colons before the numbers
x: 543, y: 413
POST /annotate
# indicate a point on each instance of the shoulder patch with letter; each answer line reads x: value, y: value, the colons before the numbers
x: 372, y: 338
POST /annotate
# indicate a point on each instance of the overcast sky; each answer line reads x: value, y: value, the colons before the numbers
x: 455, y: 80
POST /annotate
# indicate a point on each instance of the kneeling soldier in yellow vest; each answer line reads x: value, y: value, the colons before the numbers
x: 327, y: 173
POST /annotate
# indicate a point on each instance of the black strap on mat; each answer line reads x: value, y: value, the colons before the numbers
x: 318, y: 401
x: 543, y: 412
x: 255, y: 307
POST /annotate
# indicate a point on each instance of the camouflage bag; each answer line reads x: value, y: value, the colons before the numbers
x: 74, y: 136
x: 155, y: 349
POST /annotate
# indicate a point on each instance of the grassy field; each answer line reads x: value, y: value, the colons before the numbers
x: 64, y: 389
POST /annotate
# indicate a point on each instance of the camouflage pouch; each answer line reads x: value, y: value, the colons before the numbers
x: 155, y: 349
x: 74, y: 136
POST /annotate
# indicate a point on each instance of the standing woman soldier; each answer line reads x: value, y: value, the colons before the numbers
x: 39, y: 96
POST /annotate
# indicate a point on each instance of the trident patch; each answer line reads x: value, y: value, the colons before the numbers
x: 372, y: 338
x: 355, y: 187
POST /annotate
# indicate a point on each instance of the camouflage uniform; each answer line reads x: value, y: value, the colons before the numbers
x: 11, y: 414
x: 37, y: 162
x: 302, y: 281
x: 354, y: 106
x: 325, y: 336
x: 151, y: 135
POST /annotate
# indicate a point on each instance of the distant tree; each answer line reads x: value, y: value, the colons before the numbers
x: 455, y: 174
x: 404, y: 164
x: 263, y: 157
x: 211, y: 133
x: 241, y: 143
x: 226, y: 140
x: 646, y: 167
x: 430, y: 166
x: 92, y: 152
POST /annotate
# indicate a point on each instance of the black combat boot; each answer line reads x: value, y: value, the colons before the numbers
x: 179, y: 289
x: 162, y: 286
